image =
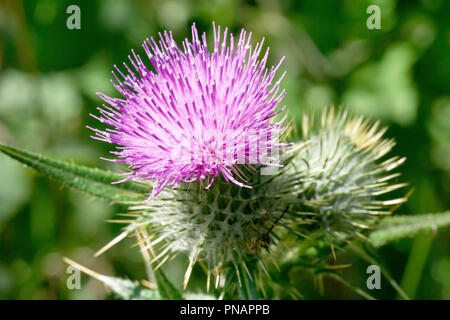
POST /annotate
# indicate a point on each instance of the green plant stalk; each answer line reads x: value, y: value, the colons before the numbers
x: 416, y: 263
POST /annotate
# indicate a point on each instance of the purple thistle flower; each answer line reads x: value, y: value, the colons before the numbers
x: 198, y: 115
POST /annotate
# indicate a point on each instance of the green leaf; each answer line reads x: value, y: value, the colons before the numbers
x: 398, y: 227
x: 166, y: 289
x: 93, y: 181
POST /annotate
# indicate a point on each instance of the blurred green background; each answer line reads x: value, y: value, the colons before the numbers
x: 50, y: 75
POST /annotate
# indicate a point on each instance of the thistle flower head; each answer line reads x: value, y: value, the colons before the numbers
x: 197, y: 114
x: 344, y: 177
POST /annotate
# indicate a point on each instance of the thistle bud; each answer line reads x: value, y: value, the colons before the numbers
x: 343, y: 176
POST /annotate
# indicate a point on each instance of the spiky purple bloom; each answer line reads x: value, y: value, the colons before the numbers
x: 199, y: 114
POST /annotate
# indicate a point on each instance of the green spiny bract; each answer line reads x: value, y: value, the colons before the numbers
x: 343, y: 177
x: 225, y: 227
